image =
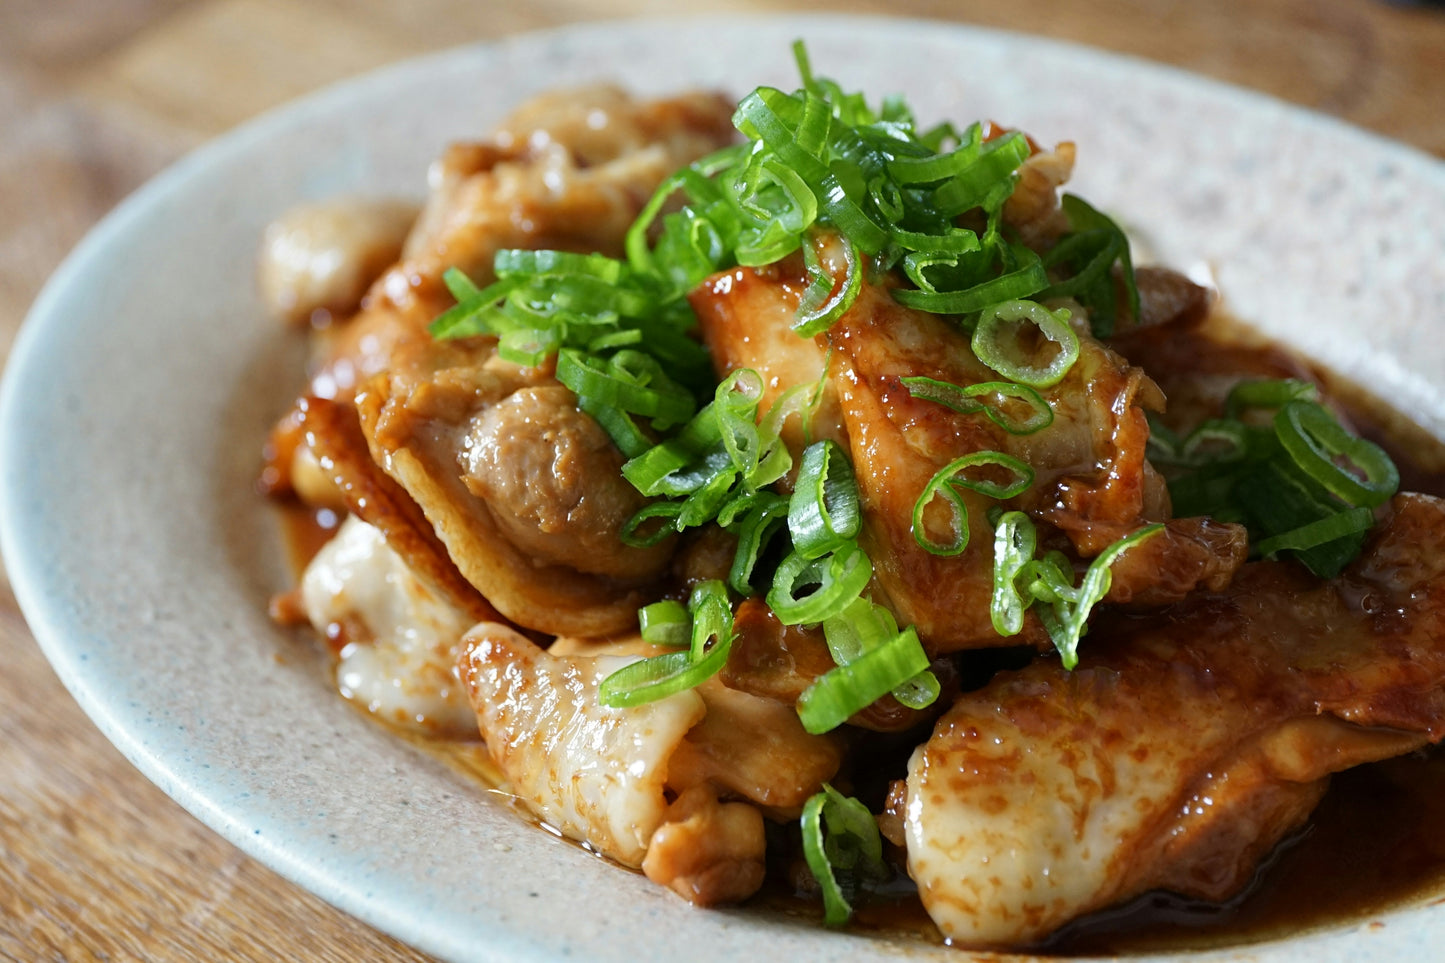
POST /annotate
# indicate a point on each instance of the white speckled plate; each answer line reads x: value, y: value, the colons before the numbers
x: 144, y: 380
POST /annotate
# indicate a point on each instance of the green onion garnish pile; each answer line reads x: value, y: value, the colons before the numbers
x: 1282, y: 465
x: 821, y: 166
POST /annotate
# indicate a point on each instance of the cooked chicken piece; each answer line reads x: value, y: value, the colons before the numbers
x: 537, y: 536
x: 553, y: 481
x: 1167, y: 300
x: 1182, y: 749
x: 448, y: 419
x: 1189, y: 553
x: 594, y: 773
x: 1033, y: 208
x: 754, y: 748
x: 569, y: 170
x: 398, y: 638
x: 323, y: 256
x: 746, y: 746
x: 773, y: 660
x: 708, y: 852
x: 1092, y: 479
x: 343, y: 475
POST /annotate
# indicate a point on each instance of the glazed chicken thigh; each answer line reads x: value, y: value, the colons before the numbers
x: 1184, y: 747
x: 1093, y: 482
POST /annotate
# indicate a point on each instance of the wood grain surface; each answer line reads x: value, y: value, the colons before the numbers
x: 98, y: 95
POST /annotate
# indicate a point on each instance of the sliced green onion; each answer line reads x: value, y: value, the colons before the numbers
x: 1014, y: 543
x: 948, y: 481
x: 665, y: 623
x: 1090, y: 251
x: 839, y: 833
x: 618, y: 424
x: 1352, y: 521
x: 971, y: 184
x: 629, y: 533
x: 919, y: 692
x: 861, y: 625
x: 821, y: 305
x: 847, y: 689
x: 823, y: 512
x: 1280, y: 497
x: 990, y: 347
x: 1215, y: 442
x: 1029, y: 278
x: 660, y: 676
x: 1315, y: 440
x: 736, y: 406
x: 1267, y: 393
x: 837, y: 579
x: 514, y: 262
x: 965, y: 400
x: 631, y: 381
x: 765, y: 518
x: 1067, y: 624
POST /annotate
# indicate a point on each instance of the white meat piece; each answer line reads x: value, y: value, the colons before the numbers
x: 595, y: 774
x: 400, y: 638
x: 323, y: 256
x: 1182, y: 749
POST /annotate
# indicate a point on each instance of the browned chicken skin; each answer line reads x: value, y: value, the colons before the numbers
x: 1093, y: 482
x: 1184, y: 746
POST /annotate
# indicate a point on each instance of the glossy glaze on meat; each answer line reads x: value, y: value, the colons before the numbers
x: 1093, y: 483
x: 1184, y: 746
x: 477, y: 583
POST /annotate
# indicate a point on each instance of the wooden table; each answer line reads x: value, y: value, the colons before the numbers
x: 98, y: 95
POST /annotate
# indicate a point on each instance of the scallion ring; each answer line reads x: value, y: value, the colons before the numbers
x: 948, y: 481
x: 848, y: 689
x: 966, y: 399
x: 991, y: 344
x: 1315, y: 440
x: 823, y: 512
x: 836, y: 579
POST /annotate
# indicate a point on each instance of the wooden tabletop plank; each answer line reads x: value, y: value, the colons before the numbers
x: 98, y: 95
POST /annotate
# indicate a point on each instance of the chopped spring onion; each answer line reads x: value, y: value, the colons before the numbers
x: 1317, y: 442
x: 660, y: 676
x: 1267, y: 393
x: 1049, y: 580
x: 629, y: 381
x: 1026, y: 279
x: 949, y: 482
x: 1339, y: 525
x: 993, y: 347
x: 865, y: 625
x: 767, y: 516
x: 1004, y: 398
x: 1296, y: 480
x: 836, y: 579
x: 826, y: 300
x: 840, y: 835
x: 1278, y: 498
x: 665, y: 623
x: 1014, y: 544
x: 823, y: 513
x: 1090, y: 251
x: 853, y: 686
x: 1067, y: 616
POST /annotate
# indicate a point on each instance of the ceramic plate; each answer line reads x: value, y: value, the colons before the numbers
x: 143, y: 383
